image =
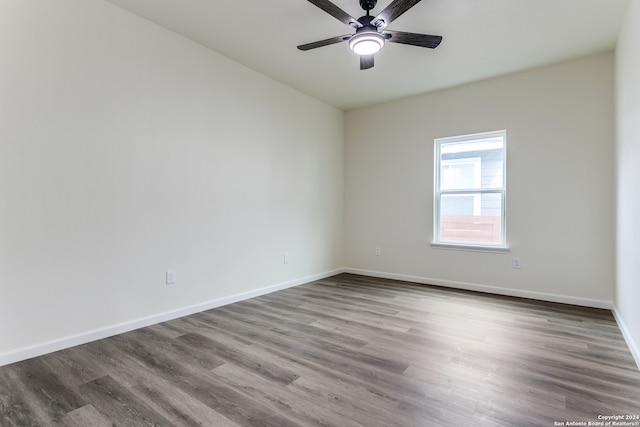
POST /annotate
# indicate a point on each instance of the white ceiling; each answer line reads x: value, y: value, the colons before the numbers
x: 481, y: 39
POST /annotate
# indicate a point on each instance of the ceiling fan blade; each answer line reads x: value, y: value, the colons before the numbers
x: 366, y: 62
x: 413, y: 39
x: 325, y: 42
x: 391, y: 12
x: 336, y: 12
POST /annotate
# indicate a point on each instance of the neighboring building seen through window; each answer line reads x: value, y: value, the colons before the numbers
x: 470, y: 187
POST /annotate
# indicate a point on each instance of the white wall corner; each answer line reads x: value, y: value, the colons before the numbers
x: 634, y: 347
x: 40, y: 349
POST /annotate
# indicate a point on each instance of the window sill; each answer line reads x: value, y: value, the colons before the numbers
x: 472, y: 248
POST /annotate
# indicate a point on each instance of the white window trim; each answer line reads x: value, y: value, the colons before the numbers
x: 437, y: 192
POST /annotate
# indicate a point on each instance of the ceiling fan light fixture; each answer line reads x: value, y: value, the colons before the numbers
x: 366, y: 43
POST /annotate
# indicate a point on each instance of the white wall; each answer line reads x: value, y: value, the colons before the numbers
x: 560, y: 182
x: 126, y: 150
x: 627, y: 300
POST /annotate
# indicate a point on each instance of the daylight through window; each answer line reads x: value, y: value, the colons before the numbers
x: 470, y: 190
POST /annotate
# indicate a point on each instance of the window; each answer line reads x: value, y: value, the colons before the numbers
x: 470, y: 189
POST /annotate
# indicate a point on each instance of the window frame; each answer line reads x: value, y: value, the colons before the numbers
x: 438, y: 193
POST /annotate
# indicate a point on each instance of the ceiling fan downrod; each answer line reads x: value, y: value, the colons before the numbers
x: 368, y: 4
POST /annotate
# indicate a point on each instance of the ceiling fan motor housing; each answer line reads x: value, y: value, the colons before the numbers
x: 365, y: 21
x: 368, y: 4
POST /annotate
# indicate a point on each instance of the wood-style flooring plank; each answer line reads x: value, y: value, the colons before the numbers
x: 342, y: 351
x: 85, y: 416
x: 120, y: 405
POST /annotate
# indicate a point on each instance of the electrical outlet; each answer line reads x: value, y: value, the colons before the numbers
x: 378, y: 251
x: 171, y: 277
x: 515, y: 262
x: 285, y: 258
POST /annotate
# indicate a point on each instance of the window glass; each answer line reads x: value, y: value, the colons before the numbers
x: 469, y: 194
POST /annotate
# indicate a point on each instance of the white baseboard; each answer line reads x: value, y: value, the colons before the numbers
x: 634, y: 347
x: 586, y: 302
x: 97, y: 334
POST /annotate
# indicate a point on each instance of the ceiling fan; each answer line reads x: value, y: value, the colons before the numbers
x: 371, y: 35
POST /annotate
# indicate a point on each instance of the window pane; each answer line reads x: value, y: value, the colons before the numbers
x: 457, y: 205
x: 473, y: 164
x: 470, y: 190
x: 471, y: 218
x: 463, y: 173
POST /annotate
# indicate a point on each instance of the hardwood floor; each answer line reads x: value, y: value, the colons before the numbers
x: 343, y: 351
